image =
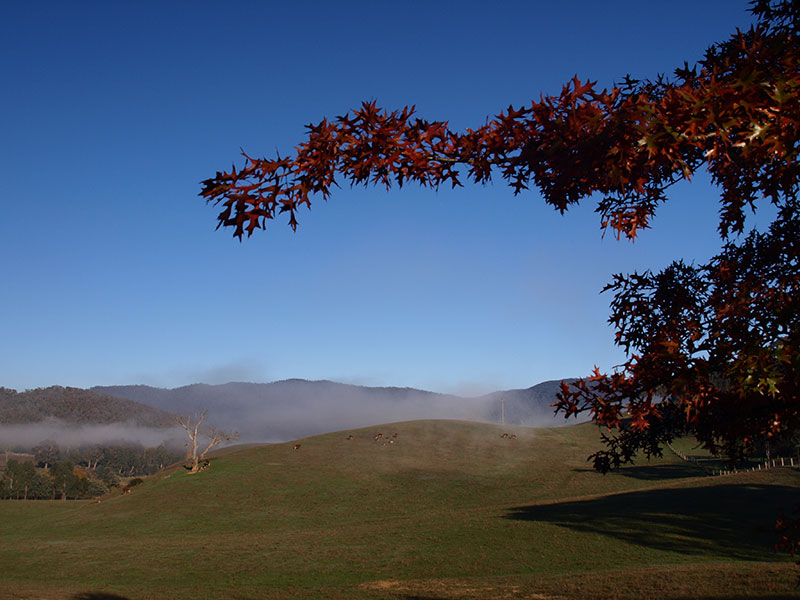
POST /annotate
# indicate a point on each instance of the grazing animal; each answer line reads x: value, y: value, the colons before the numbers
x: 296, y: 447
x: 505, y: 435
x: 349, y: 437
x: 394, y: 435
x: 378, y: 436
x: 126, y: 490
x: 513, y: 436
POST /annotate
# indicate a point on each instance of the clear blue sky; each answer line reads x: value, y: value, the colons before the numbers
x: 112, y: 114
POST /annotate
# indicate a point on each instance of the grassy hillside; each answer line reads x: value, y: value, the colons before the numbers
x: 449, y: 510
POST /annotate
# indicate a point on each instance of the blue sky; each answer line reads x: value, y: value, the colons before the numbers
x: 112, y: 114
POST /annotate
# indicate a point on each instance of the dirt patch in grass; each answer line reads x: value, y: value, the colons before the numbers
x: 446, y: 589
x: 724, y: 581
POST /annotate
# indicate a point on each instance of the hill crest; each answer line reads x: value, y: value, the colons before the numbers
x: 79, y: 406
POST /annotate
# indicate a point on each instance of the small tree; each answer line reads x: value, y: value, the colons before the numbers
x: 20, y: 476
x: 47, y: 452
x: 192, y: 426
x: 63, y: 476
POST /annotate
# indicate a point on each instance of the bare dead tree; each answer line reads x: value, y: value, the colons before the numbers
x: 192, y: 426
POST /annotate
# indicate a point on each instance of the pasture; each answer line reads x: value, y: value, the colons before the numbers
x: 445, y: 509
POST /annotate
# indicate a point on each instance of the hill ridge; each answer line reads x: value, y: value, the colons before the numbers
x: 295, y: 408
x: 79, y: 406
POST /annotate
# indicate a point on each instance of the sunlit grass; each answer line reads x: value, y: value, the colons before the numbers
x: 450, y: 509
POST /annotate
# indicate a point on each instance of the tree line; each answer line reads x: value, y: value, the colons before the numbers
x: 21, y: 480
x: 83, y: 472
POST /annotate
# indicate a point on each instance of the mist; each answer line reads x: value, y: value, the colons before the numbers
x: 313, y: 414
x: 280, y: 411
x: 291, y: 409
x: 72, y: 435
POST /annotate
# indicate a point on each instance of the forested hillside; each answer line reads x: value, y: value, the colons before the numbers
x: 76, y: 405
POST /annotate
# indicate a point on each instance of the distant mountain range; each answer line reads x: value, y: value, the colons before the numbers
x: 278, y: 411
x: 295, y: 408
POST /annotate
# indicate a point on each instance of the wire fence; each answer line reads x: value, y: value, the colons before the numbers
x: 765, y: 465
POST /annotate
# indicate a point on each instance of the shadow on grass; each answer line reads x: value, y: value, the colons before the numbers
x: 656, y: 472
x: 733, y: 521
x: 97, y: 596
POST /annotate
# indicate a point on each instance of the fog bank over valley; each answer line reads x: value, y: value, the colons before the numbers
x: 260, y: 412
x: 295, y: 408
x: 75, y: 435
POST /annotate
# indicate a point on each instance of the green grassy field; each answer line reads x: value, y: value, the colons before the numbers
x: 450, y: 510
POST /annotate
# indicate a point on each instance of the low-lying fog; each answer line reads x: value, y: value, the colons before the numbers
x: 295, y: 408
x: 72, y: 435
x: 319, y: 415
x: 292, y: 409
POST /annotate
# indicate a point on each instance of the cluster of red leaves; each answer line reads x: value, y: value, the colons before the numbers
x: 369, y: 146
x: 738, y: 115
x: 712, y: 352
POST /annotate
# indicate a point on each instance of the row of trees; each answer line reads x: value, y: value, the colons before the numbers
x: 90, y: 470
x: 109, y: 462
x: 23, y: 481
